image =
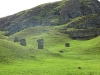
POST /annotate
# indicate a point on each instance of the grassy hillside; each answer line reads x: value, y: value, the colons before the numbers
x: 81, y: 20
x: 81, y: 58
x: 54, y: 40
x: 10, y: 51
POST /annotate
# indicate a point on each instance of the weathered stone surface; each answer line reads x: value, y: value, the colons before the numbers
x: 51, y: 14
x: 23, y: 42
x: 16, y: 39
x: 67, y: 44
x: 84, y: 34
x: 40, y: 43
x: 70, y: 10
x: 87, y: 22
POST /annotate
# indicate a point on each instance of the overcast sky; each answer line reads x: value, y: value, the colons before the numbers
x: 9, y: 7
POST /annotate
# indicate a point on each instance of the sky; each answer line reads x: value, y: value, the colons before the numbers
x: 9, y: 7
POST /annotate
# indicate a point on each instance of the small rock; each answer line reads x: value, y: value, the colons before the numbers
x: 79, y: 67
x: 67, y: 45
x: 61, y: 51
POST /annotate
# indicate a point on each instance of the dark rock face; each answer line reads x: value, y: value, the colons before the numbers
x: 84, y: 34
x: 90, y: 21
x: 90, y: 6
x: 75, y: 8
x: 70, y: 10
x: 51, y: 14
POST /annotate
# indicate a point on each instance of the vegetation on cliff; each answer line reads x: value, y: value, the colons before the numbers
x: 50, y: 14
x: 56, y: 23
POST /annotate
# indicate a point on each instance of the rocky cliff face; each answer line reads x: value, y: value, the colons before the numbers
x: 83, y: 34
x: 85, y: 22
x: 75, y: 8
x: 51, y: 14
x: 85, y: 27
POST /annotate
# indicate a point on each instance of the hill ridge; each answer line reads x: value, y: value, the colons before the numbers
x: 50, y: 14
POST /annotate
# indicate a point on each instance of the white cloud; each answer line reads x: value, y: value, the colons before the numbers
x: 9, y: 7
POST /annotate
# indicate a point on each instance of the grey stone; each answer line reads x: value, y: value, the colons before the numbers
x: 40, y: 43
x: 23, y: 42
x: 16, y: 39
x: 84, y: 34
x: 67, y: 44
x: 79, y: 68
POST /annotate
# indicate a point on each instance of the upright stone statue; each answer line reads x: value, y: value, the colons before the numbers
x: 16, y: 39
x: 67, y: 44
x: 40, y: 43
x: 23, y: 42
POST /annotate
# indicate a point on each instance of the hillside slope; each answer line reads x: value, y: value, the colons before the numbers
x: 59, y: 24
x: 51, y: 14
x: 54, y: 45
x: 54, y: 41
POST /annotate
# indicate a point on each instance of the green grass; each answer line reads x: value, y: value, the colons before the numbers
x: 52, y: 66
x: 29, y: 60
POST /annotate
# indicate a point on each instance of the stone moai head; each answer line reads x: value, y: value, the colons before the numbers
x: 16, y: 39
x: 23, y: 42
x: 67, y: 44
x: 40, y: 43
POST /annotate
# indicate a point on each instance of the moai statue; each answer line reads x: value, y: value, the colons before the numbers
x: 67, y: 44
x: 16, y: 39
x: 40, y: 43
x: 23, y: 42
